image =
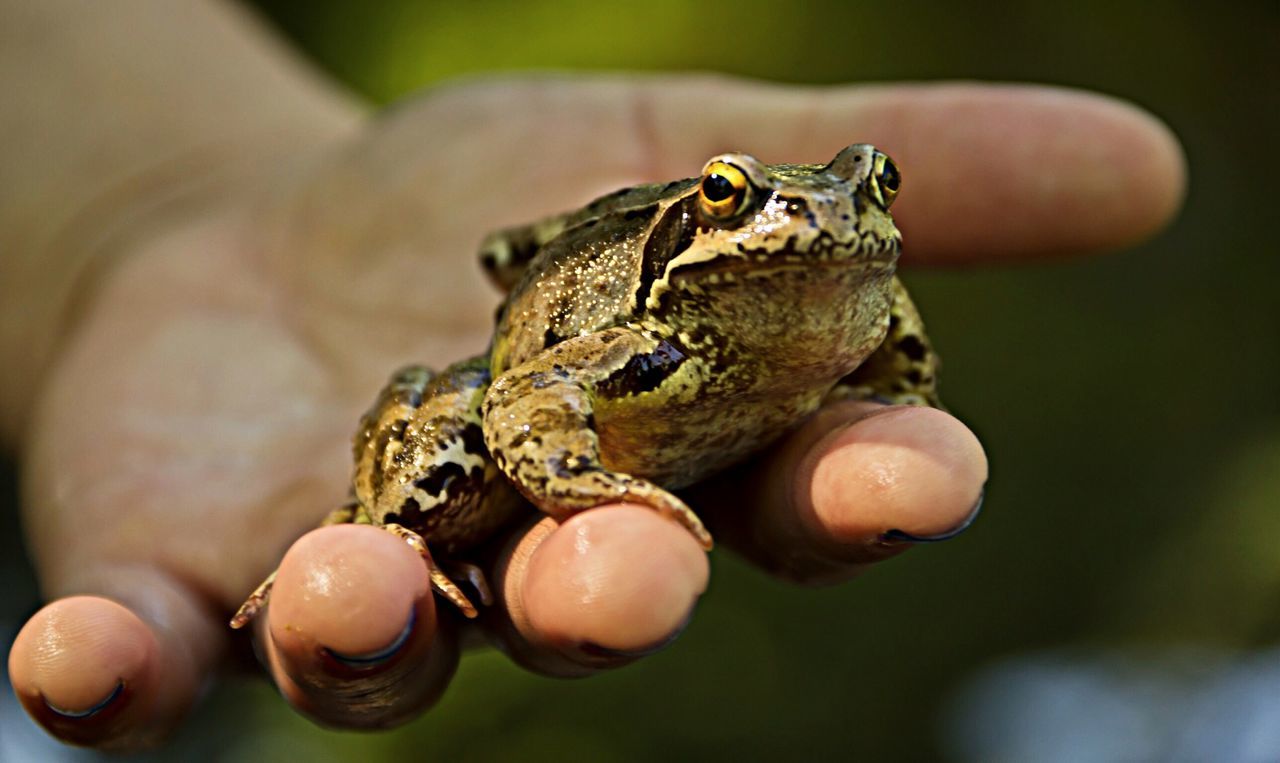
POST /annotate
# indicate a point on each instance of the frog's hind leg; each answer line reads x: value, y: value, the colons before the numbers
x: 424, y: 474
x: 440, y: 582
x: 903, y: 370
x: 348, y: 513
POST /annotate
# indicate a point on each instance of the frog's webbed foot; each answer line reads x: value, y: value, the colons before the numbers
x: 539, y: 428
x: 440, y: 582
x: 903, y: 370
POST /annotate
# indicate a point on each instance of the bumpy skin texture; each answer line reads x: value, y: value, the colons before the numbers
x: 649, y: 340
x: 421, y: 461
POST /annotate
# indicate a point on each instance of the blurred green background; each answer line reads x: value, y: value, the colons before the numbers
x: 1129, y: 403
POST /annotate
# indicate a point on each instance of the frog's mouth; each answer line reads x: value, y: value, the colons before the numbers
x: 757, y: 263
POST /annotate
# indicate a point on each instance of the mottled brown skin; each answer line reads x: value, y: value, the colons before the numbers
x: 650, y: 339
x: 421, y: 461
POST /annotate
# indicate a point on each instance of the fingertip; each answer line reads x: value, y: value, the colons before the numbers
x: 916, y: 471
x: 351, y: 635
x: 1047, y: 170
x: 856, y: 484
x: 1097, y: 172
x: 116, y: 673
x: 609, y: 585
x: 1155, y: 170
x: 86, y: 668
x: 621, y: 578
x: 349, y: 587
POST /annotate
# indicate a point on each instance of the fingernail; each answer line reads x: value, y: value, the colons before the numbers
x: 115, y: 694
x: 380, y: 656
x: 593, y: 649
x: 898, y: 536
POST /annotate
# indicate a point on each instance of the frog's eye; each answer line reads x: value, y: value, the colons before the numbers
x: 887, y: 179
x: 723, y: 192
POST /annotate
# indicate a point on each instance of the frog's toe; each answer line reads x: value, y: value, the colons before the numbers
x: 666, y: 504
x: 473, y: 575
x: 442, y: 585
x: 694, y: 525
x: 254, y: 604
x: 677, y: 510
x: 440, y: 582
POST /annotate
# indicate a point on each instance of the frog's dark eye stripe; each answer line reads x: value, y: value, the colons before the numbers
x: 724, y: 191
x: 887, y: 179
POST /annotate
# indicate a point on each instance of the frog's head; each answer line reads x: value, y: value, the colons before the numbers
x: 780, y: 256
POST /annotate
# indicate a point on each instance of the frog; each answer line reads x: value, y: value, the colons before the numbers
x: 647, y: 341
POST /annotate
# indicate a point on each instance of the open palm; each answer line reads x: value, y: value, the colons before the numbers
x: 198, y: 420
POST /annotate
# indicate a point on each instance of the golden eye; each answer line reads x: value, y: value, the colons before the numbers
x: 723, y: 192
x: 887, y: 178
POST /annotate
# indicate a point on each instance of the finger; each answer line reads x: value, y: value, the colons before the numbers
x: 990, y: 172
x: 858, y: 483
x: 96, y: 672
x: 351, y: 635
x: 605, y: 588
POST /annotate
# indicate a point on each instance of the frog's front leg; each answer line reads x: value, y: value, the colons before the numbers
x: 903, y: 370
x: 540, y: 429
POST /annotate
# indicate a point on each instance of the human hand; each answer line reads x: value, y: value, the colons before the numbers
x: 198, y: 417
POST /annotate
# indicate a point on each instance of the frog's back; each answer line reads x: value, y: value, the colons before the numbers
x: 506, y: 254
x: 583, y: 279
